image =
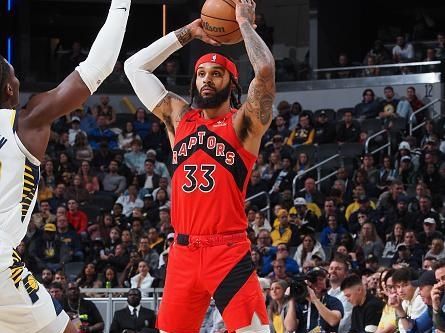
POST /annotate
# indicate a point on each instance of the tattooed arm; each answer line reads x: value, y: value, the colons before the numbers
x: 257, y: 110
x: 166, y: 105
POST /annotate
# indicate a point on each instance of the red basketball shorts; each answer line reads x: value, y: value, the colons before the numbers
x: 196, y: 273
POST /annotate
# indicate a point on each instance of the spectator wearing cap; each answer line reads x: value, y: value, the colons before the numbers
x: 423, y: 323
x: 437, y: 250
x: 425, y: 211
x: 324, y: 129
x: 160, y: 168
x: 135, y: 158
x: 367, y: 309
x: 281, y: 233
x: 371, y: 263
x: 429, y: 232
x: 406, y: 173
x: 304, y: 133
x: 303, y: 216
x: 348, y: 130
x: 278, y: 145
x: 409, y: 305
x: 405, y: 150
x: 410, y: 252
x: 74, y: 130
x: 150, y: 212
x: 321, y: 309
x: 48, y: 254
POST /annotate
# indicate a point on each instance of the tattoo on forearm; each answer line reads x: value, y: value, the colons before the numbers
x: 184, y: 35
x: 260, y: 99
x: 258, y: 52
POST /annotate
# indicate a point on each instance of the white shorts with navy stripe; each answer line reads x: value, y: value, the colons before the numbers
x: 26, y: 306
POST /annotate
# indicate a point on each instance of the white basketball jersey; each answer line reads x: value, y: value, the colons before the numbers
x: 19, y: 178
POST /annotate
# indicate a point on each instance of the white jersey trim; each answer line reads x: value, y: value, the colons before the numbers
x: 25, y: 151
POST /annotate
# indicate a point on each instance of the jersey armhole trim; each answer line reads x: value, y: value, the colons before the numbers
x: 26, y: 152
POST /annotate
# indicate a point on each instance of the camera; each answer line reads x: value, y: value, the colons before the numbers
x: 298, y: 285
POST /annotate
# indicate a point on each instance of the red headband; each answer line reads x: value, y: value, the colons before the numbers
x: 220, y: 60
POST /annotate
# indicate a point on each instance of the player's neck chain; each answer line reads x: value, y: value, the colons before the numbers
x: 76, y: 307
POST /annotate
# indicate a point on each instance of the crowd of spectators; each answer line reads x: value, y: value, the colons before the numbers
x: 104, y: 202
x: 403, y: 51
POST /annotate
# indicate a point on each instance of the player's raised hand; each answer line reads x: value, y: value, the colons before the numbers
x: 198, y: 32
x: 245, y: 11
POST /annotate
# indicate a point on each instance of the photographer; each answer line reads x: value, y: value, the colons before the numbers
x: 318, y: 312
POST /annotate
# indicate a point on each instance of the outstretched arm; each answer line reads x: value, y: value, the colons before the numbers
x: 44, y: 108
x: 258, y: 106
x: 166, y: 105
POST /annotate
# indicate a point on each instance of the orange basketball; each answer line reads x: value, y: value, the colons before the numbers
x: 218, y: 21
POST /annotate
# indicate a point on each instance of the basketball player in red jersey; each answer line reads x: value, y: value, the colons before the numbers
x: 214, y: 148
x: 25, y: 305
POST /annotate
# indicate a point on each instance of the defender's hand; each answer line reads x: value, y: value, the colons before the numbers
x: 198, y: 32
x: 245, y: 11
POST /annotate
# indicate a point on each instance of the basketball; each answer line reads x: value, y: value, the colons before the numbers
x: 218, y: 21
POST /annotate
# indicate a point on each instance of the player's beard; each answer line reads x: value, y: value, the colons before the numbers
x: 214, y: 101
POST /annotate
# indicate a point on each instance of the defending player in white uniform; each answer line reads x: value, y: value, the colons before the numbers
x: 25, y: 305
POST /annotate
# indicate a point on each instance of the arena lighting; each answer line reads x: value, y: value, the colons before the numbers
x: 10, y: 4
x: 9, y: 49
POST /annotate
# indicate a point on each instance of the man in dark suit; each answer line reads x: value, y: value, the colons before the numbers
x: 134, y: 318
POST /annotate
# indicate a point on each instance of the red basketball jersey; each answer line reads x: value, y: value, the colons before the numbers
x: 211, y: 170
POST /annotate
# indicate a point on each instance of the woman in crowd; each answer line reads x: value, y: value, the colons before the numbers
x: 127, y: 136
x: 141, y: 124
x: 393, y: 240
x: 308, y: 247
x: 88, y: 277
x: 277, y: 308
x: 369, y: 241
x: 81, y: 150
x: 388, y: 321
x: 89, y: 178
x: 143, y: 279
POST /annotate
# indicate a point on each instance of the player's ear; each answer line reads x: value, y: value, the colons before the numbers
x: 9, y: 90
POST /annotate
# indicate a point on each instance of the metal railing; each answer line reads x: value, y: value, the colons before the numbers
x: 412, y: 118
x: 264, y: 209
x: 108, y: 305
x: 388, y: 144
x: 319, y: 179
x: 408, y: 64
